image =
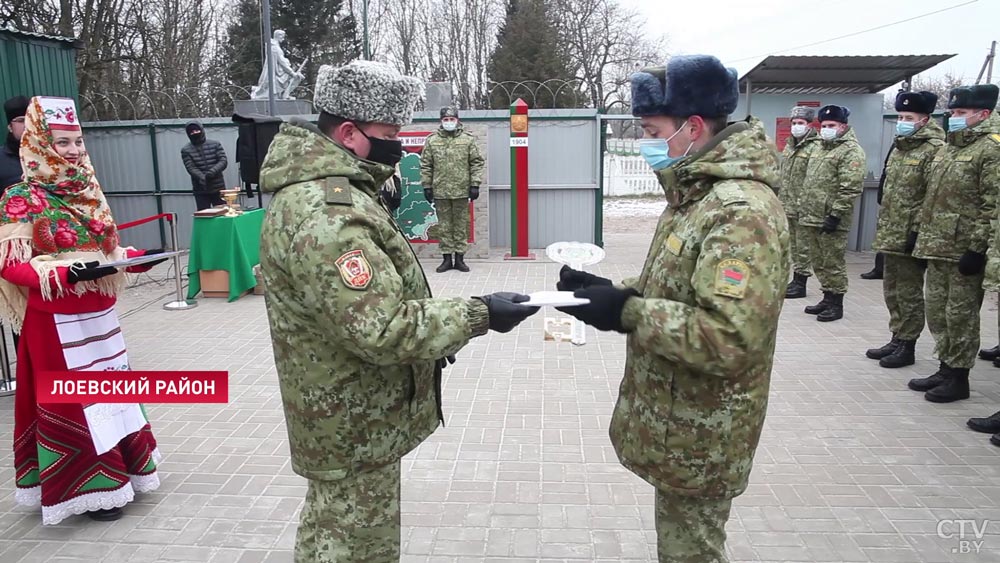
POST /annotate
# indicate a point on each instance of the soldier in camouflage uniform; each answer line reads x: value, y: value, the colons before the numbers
x: 451, y: 169
x: 794, y: 163
x: 702, y: 318
x: 955, y: 234
x: 826, y: 208
x: 918, y: 139
x: 359, y: 343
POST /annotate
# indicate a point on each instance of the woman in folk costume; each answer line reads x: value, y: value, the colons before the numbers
x: 55, y: 232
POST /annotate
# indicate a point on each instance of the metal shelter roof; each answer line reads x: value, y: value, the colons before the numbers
x: 10, y: 29
x: 865, y: 74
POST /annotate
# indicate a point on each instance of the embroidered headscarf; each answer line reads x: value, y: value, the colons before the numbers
x: 57, y: 216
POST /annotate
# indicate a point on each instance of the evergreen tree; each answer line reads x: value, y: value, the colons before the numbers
x: 528, y: 52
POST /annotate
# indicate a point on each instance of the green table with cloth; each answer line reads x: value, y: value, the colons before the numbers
x: 226, y: 243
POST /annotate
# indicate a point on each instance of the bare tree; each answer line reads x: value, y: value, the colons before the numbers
x: 940, y: 85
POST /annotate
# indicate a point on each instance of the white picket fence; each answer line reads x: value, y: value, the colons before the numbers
x: 625, y: 172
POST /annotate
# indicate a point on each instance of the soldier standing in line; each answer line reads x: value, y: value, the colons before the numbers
x: 451, y: 169
x: 359, y: 343
x: 794, y: 163
x: 918, y: 139
x: 703, y: 316
x: 954, y: 236
x: 834, y: 180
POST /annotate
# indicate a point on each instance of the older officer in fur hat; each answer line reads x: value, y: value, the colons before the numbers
x: 702, y: 317
x: 358, y: 340
x: 834, y: 179
x: 904, y: 183
x: 955, y: 233
x: 794, y: 163
x: 451, y: 169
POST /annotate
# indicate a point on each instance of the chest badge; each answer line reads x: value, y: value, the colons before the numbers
x: 731, y: 278
x: 355, y: 269
x: 675, y: 244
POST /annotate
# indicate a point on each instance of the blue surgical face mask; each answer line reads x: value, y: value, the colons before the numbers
x: 956, y: 124
x: 905, y: 128
x: 657, y: 151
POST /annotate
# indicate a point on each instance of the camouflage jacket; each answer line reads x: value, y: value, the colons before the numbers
x: 450, y: 163
x: 834, y: 179
x: 961, y: 194
x: 701, y: 339
x: 794, y: 162
x: 905, y: 185
x: 353, y: 325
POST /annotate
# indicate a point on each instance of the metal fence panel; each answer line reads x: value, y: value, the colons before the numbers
x: 554, y: 215
x: 559, y: 153
x: 122, y: 159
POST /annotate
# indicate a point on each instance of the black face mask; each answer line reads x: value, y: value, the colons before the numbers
x: 197, y: 138
x: 384, y: 151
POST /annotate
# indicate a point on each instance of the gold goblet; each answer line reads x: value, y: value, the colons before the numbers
x: 230, y: 196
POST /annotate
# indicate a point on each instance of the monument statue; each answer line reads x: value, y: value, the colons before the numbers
x: 286, y: 79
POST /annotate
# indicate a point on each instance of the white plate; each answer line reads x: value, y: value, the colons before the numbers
x: 555, y: 299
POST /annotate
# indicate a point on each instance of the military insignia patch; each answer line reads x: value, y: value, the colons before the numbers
x: 674, y: 244
x: 731, y: 278
x: 355, y: 269
x: 995, y: 137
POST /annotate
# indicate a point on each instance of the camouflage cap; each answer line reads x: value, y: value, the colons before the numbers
x: 449, y: 112
x: 803, y: 112
x: 368, y: 91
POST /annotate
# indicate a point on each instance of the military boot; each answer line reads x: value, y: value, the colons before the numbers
x: 995, y: 439
x: 904, y: 355
x: 928, y: 383
x: 878, y: 271
x: 445, y: 264
x: 990, y: 354
x: 460, y: 263
x: 821, y: 306
x: 954, y: 388
x: 879, y: 353
x: 834, y: 311
x: 988, y: 425
x: 797, y: 287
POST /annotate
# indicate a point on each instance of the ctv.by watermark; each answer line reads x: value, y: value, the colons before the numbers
x: 968, y: 534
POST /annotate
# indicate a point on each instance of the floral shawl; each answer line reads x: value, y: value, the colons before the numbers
x: 57, y: 216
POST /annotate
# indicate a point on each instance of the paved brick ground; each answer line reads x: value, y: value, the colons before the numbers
x: 852, y: 465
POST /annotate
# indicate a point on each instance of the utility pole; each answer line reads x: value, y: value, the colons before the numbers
x: 988, y: 65
x: 269, y: 56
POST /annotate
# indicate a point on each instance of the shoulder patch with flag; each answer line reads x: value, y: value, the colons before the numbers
x: 355, y: 269
x: 731, y: 278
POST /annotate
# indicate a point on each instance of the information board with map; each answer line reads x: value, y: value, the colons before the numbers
x: 416, y: 216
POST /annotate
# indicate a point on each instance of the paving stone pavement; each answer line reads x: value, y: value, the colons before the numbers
x: 852, y: 467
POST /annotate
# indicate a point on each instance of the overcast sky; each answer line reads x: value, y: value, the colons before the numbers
x: 745, y: 30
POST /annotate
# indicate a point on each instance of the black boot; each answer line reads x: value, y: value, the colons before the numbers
x: 879, y: 353
x: 988, y: 425
x: 903, y: 356
x: 821, y: 306
x: 930, y: 382
x: 797, y: 287
x: 460, y: 263
x: 995, y: 439
x: 105, y: 515
x: 445, y: 264
x: 996, y: 363
x: 876, y: 272
x: 990, y: 354
x: 834, y: 311
x: 954, y: 388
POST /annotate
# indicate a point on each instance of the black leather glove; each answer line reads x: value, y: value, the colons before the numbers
x: 89, y: 272
x: 429, y: 194
x: 604, y: 312
x: 505, y: 313
x: 972, y: 263
x: 572, y: 280
x: 830, y: 224
x: 911, y: 242
x: 473, y: 193
x: 151, y: 252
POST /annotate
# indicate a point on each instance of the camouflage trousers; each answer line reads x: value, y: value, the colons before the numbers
x: 453, y: 225
x: 800, y: 247
x: 351, y: 520
x: 826, y: 254
x: 953, y: 303
x: 690, y: 529
x: 903, y: 289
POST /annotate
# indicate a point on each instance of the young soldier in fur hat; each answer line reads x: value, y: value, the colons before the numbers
x: 702, y: 317
x: 451, y: 169
x: 794, y: 163
x: 918, y: 139
x: 358, y: 341
x: 833, y: 181
x: 955, y: 233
